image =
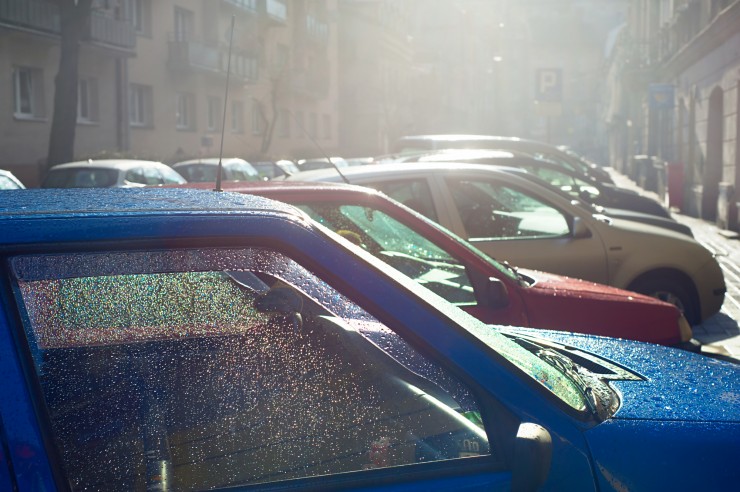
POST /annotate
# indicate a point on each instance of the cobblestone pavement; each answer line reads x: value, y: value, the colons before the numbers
x: 720, y: 334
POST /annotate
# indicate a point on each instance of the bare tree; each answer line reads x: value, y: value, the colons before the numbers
x: 75, y: 20
x: 277, y: 82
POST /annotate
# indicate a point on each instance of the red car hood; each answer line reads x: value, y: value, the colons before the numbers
x: 560, y: 285
x: 569, y: 304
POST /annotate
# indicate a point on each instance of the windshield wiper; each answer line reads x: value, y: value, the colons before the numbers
x: 576, y: 374
x: 570, y: 370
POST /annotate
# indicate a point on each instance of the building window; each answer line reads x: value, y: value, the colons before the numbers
x: 87, y: 100
x: 214, y: 114
x: 184, y: 22
x: 244, y: 66
x: 140, y: 105
x: 237, y: 117
x: 327, y: 126
x: 140, y: 13
x: 282, y: 57
x: 284, y: 123
x: 28, y: 92
x: 257, y: 119
x: 185, y: 117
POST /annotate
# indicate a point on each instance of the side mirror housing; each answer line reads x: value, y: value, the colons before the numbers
x: 497, y: 295
x: 580, y: 229
x: 532, y: 458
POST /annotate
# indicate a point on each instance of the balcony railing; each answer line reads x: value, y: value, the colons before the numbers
x: 43, y: 17
x: 189, y: 54
x: 685, y: 26
x: 316, y: 29
x: 32, y: 14
x: 111, y: 32
x: 276, y: 11
x: 248, y: 6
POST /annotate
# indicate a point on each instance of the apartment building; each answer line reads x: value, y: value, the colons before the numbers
x: 675, y: 94
x: 153, y: 80
x: 29, y: 60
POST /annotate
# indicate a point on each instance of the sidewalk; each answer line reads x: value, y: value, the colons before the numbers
x: 720, y: 334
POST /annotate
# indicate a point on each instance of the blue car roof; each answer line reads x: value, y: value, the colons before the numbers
x: 26, y: 214
x: 116, y: 201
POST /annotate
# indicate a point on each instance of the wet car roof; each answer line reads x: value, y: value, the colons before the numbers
x: 116, y: 201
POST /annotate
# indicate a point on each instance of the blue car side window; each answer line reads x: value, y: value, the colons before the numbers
x: 198, y: 369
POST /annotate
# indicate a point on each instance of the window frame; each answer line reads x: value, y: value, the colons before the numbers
x: 87, y: 100
x: 185, y: 112
x: 458, y: 467
x: 29, y: 80
x: 140, y: 105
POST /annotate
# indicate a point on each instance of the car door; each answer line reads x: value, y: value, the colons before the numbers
x: 510, y: 222
x: 273, y: 376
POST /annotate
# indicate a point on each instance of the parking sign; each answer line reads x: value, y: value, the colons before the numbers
x: 549, y: 85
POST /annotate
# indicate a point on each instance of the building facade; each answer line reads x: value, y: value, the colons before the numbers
x: 29, y: 60
x: 153, y: 80
x: 376, y: 74
x: 674, y: 83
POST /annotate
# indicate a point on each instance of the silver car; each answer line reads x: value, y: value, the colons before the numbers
x: 111, y: 173
x: 512, y: 218
x: 206, y: 169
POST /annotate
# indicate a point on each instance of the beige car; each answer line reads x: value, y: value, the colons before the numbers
x: 528, y: 225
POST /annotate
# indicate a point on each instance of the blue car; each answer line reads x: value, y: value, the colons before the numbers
x: 173, y: 339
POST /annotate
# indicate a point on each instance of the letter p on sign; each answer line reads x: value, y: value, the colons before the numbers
x: 549, y: 85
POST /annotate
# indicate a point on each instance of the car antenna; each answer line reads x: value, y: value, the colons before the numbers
x: 226, y: 96
x: 316, y: 144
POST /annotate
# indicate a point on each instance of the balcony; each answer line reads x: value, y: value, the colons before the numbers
x: 691, y: 27
x: 189, y: 54
x: 42, y: 17
x: 316, y: 30
x: 243, y: 6
x: 112, y: 33
x: 276, y: 12
x: 33, y: 15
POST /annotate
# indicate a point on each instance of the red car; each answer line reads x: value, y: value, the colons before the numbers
x: 493, y: 292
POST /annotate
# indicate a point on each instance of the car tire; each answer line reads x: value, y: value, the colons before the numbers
x: 671, y: 288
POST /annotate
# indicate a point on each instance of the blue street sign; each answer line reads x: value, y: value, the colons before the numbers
x: 661, y: 96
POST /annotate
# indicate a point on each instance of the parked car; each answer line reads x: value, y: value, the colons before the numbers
x: 321, y: 163
x: 512, y: 218
x: 205, y: 169
x: 107, y: 173
x: 187, y: 339
x: 449, y: 266
x: 572, y: 182
x: 613, y: 212
x: 424, y: 143
x: 275, y: 169
x: 8, y: 181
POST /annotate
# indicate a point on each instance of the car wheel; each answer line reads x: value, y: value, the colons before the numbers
x: 671, y: 288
